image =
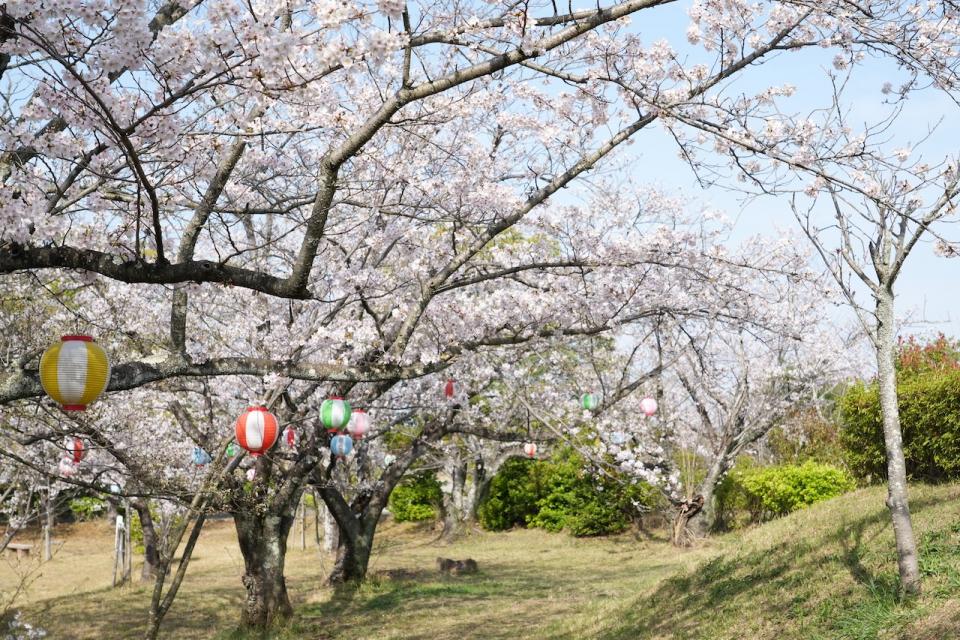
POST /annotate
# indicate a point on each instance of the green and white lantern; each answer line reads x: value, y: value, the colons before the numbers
x: 335, y: 414
x: 588, y: 401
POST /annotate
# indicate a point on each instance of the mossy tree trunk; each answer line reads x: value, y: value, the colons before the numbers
x: 263, y: 543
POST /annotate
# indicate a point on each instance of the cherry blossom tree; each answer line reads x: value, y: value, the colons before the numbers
x: 303, y: 199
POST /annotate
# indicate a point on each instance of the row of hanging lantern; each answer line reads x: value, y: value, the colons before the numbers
x: 648, y: 406
x: 76, y: 371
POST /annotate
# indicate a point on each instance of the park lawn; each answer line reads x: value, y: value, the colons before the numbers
x: 528, y: 581
x: 827, y: 572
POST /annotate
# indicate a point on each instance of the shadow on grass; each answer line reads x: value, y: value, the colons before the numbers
x: 795, y: 588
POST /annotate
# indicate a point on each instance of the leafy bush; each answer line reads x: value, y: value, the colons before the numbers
x: 928, y: 391
x: 557, y: 495
x: 765, y: 492
x: 87, y: 508
x: 512, y: 498
x: 416, y: 498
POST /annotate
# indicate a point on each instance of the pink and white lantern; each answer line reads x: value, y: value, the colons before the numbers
x: 530, y: 449
x: 648, y: 406
x: 359, y: 424
x: 67, y: 467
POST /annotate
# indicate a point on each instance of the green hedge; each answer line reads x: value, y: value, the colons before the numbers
x: 558, y: 495
x: 749, y: 494
x: 416, y: 498
x: 929, y: 419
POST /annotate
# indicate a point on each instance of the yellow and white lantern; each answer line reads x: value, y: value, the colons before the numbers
x: 74, y: 372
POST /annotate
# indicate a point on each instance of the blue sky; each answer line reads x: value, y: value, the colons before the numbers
x: 924, y: 290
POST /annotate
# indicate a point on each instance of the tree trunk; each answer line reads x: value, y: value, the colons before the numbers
x: 454, y: 511
x: 331, y: 530
x: 897, y: 500
x: 703, y: 525
x: 151, y: 557
x: 263, y: 543
x: 686, y: 511
x: 478, y: 489
x: 51, y: 520
x: 353, y: 557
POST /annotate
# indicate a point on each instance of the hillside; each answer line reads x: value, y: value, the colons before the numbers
x: 826, y: 572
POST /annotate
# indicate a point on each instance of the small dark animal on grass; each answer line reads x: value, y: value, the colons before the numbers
x: 456, y: 567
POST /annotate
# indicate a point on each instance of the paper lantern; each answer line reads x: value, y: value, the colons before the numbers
x: 341, y: 445
x: 200, y: 457
x: 334, y: 413
x: 232, y: 450
x: 67, y: 467
x: 389, y: 459
x: 251, y: 474
x: 648, y: 406
x: 618, y: 437
x: 448, y: 390
x: 74, y: 372
x: 359, y: 424
x: 75, y: 450
x: 588, y: 401
x: 290, y: 438
x: 530, y: 449
x: 257, y: 430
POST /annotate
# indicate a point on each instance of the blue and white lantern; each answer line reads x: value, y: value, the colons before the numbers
x: 341, y: 445
x: 200, y: 457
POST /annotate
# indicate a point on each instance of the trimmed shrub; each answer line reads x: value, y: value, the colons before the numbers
x: 765, y: 492
x: 416, y: 498
x: 929, y: 419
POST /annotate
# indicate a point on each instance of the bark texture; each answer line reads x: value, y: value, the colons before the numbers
x: 151, y: 557
x: 897, y: 498
x: 263, y: 543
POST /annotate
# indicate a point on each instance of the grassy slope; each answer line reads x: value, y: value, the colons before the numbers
x: 826, y: 572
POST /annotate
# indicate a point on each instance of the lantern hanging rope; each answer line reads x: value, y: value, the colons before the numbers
x: 334, y: 414
x: 257, y: 430
x: 74, y: 372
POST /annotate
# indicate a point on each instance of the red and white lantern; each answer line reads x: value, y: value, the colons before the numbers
x: 530, y: 450
x: 359, y: 424
x: 448, y: 390
x: 290, y: 438
x: 648, y: 406
x: 257, y: 430
x: 75, y: 450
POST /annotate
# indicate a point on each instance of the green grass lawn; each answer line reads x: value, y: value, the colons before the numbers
x: 826, y: 572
